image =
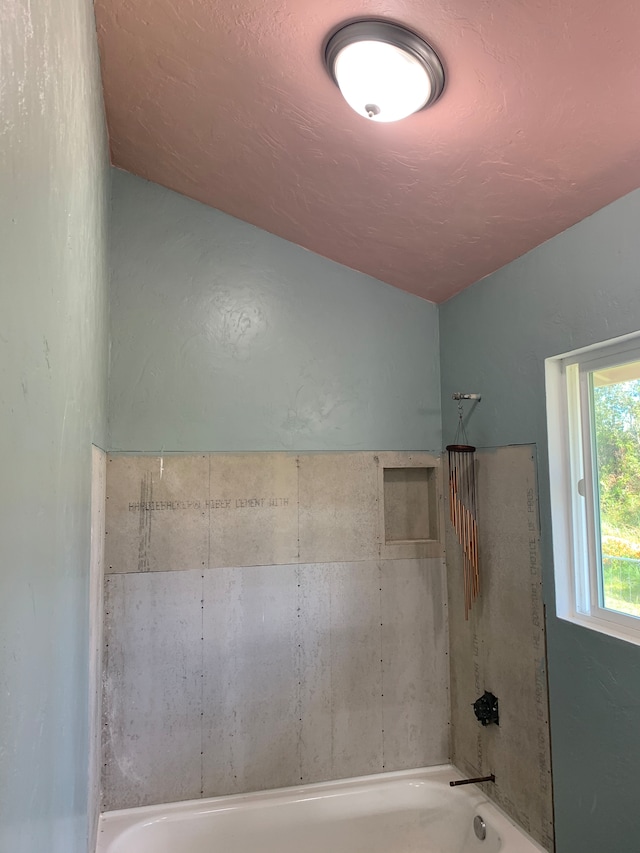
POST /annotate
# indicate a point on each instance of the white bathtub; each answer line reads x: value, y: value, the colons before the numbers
x: 414, y: 811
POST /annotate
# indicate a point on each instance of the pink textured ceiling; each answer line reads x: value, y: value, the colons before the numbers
x: 228, y: 101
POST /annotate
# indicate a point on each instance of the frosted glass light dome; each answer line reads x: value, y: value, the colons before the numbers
x: 385, y: 73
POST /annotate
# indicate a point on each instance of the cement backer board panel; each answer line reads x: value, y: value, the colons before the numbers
x: 338, y: 507
x: 502, y: 647
x: 314, y: 672
x: 157, y: 518
x: 302, y: 684
x: 152, y: 688
x: 184, y: 511
x: 342, y: 506
x: 253, y: 506
x: 415, y: 664
x: 355, y: 648
x: 249, y: 684
x: 297, y: 654
x: 290, y: 665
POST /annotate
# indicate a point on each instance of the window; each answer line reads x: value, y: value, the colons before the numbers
x: 593, y: 413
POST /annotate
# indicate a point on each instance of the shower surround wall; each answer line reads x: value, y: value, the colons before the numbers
x: 501, y: 648
x: 265, y: 627
x: 226, y: 338
x: 573, y: 291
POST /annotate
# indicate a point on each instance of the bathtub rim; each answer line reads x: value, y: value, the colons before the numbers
x: 114, y: 823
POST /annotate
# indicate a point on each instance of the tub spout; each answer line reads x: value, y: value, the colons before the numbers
x: 490, y: 778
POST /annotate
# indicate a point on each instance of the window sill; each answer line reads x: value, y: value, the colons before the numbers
x: 602, y: 626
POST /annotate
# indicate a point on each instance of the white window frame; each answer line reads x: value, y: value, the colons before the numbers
x: 574, y: 489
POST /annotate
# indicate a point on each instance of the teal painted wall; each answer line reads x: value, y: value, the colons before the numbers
x: 579, y: 288
x: 225, y: 337
x: 53, y: 325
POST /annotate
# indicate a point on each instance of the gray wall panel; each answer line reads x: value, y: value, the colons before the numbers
x: 152, y: 688
x: 290, y: 660
x: 502, y: 647
x: 314, y: 672
x: 338, y: 507
x: 187, y: 511
x: 355, y: 640
x: 287, y: 684
x: 415, y: 672
x: 157, y: 513
x: 249, y: 685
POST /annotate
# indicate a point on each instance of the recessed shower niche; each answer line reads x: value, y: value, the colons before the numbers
x: 410, y: 505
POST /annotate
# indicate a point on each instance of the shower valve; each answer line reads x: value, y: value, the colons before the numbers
x: 486, y: 709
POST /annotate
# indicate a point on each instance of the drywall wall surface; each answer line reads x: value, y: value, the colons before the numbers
x: 579, y: 288
x: 501, y: 647
x: 96, y: 624
x: 227, y: 338
x: 223, y: 674
x: 53, y: 359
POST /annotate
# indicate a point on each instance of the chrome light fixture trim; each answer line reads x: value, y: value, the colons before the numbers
x: 392, y: 34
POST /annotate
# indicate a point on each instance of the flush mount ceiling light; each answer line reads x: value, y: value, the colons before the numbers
x: 384, y: 71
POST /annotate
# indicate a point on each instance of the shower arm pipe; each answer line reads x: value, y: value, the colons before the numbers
x: 459, y: 396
